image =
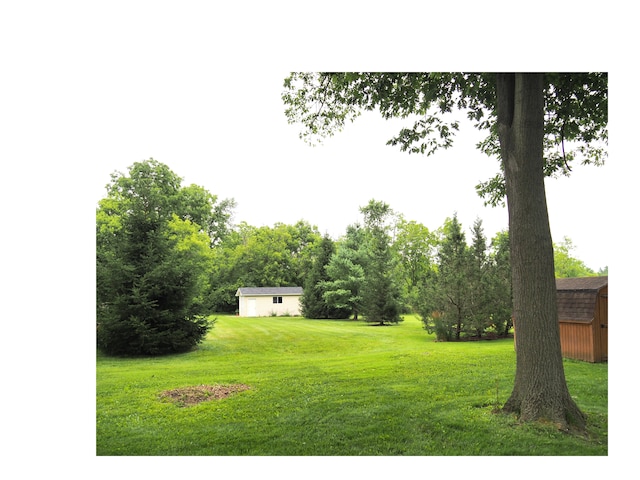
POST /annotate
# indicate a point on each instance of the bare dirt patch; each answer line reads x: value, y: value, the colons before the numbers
x: 188, y: 396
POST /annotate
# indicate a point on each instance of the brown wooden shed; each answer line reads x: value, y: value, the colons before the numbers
x: 583, y: 317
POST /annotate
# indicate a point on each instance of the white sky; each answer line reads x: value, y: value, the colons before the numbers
x: 102, y: 88
x: 92, y: 87
x: 230, y: 135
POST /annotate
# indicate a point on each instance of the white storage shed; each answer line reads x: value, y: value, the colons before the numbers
x: 269, y: 301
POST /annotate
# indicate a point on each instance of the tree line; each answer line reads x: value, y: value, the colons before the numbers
x: 169, y: 255
x: 458, y: 290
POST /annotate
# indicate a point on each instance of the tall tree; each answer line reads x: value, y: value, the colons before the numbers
x: 480, y: 303
x: 414, y: 246
x: 540, y: 390
x: 152, y: 262
x: 380, y: 294
x: 532, y: 120
x: 346, y: 272
x: 204, y: 209
x: 453, y: 279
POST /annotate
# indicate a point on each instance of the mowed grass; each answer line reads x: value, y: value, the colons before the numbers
x: 334, y: 388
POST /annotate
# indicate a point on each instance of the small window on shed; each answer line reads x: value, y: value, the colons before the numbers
x: 277, y: 299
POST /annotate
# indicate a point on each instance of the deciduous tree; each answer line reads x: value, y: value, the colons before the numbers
x: 205, y: 209
x: 567, y: 266
x: 248, y: 256
x: 414, y: 246
x: 538, y: 125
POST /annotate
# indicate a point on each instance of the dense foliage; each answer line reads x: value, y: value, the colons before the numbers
x: 459, y: 290
x: 468, y: 294
x: 312, y: 302
x: 381, y: 295
x: 152, y: 259
x: 566, y: 265
x: 167, y: 255
x: 277, y: 256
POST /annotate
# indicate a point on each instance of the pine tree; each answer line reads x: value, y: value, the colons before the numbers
x: 381, y: 296
x: 479, y: 301
x: 313, y: 302
x: 444, y: 306
x: 151, y: 266
x: 346, y: 272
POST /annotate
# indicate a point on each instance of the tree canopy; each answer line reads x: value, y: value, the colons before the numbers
x: 575, y: 122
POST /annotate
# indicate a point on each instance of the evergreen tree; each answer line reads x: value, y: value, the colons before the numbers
x: 346, y: 272
x: 381, y: 296
x: 479, y: 300
x: 453, y: 276
x: 313, y: 302
x: 445, y: 302
x: 152, y: 262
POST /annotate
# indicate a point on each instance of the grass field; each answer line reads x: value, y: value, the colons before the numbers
x: 334, y: 388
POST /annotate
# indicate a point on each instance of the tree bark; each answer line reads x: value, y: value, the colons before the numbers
x: 540, y: 390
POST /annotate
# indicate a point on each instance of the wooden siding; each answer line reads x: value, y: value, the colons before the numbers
x: 581, y: 339
x: 577, y: 341
x: 583, y: 315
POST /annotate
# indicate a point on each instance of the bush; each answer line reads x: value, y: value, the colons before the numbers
x: 133, y: 336
x: 437, y: 324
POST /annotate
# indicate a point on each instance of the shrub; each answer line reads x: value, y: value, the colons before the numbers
x: 134, y: 336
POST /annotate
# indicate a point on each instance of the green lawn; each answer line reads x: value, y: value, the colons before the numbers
x: 334, y: 388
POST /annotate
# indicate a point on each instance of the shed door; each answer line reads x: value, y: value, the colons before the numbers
x: 251, y: 307
x: 604, y: 326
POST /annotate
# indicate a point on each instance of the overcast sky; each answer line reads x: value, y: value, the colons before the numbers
x: 227, y: 132
x: 96, y: 88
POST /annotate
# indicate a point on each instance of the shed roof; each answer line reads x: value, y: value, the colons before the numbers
x: 268, y: 291
x: 582, y: 283
x: 577, y: 297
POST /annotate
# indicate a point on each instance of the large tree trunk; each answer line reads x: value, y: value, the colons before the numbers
x: 540, y: 391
